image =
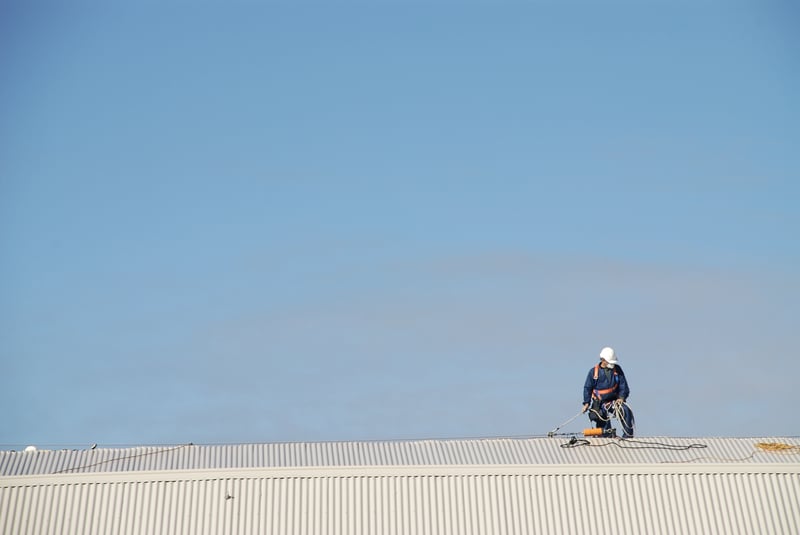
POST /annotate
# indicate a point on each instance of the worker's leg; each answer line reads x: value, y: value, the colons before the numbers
x: 607, y: 415
x: 627, y: 422
x: 597, y: 414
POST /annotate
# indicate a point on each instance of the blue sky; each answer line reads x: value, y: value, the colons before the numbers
x: 256, y: 222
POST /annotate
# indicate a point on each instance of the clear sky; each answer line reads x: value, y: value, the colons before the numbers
x: 227, y: 222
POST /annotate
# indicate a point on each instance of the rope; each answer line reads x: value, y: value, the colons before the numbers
x: 777, y: 447
x: 134, y: 456
x: 553, y: 432
x: 624, y: 443
x: 615, y: 410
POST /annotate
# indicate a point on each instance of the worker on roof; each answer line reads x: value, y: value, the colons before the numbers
x: 605, y: 392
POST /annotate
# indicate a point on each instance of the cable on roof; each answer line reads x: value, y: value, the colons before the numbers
x: 773, y: 447
x: 623, y: 443
x: 122, y: 458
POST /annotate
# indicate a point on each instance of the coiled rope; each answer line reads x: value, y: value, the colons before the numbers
x: 615, y: 410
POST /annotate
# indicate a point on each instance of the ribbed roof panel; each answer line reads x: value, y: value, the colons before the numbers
x: 452, y: 452
x: 399, y: 504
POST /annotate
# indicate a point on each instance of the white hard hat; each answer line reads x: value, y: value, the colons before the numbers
x: 608, y: 355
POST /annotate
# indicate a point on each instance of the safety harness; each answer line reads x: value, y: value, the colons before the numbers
x: 596, y: 394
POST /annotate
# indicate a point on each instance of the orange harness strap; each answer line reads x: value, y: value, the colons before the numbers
x: 597, y: 393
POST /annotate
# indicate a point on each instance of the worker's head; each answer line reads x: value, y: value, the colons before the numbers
x: 608, y: 356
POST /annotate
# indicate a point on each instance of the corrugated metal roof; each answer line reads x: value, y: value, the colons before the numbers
x: 408, y: 500
x: 457, y: 504
x: 503, y: 486
x: 493, y: 451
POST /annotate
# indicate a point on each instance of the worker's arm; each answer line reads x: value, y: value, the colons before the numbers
x: 624, y: 390
x: 588, y: 386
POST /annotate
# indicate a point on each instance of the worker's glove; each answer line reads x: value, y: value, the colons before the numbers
x: 585, y: 407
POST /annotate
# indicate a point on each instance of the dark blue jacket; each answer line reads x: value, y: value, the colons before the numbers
x: 606, y: 379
